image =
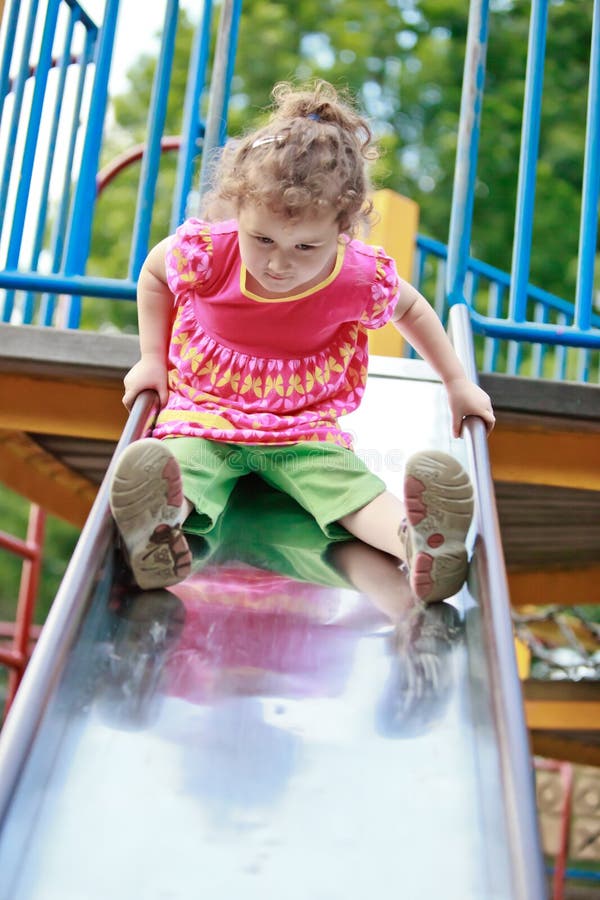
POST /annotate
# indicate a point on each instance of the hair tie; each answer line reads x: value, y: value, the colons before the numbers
x: 314, y: 116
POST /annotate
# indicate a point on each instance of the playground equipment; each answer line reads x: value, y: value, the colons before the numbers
x: 61, y: 410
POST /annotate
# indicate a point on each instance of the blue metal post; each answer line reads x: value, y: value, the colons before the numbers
x: 233, y: 39
x: 9, y: 45
x: 591, y: 186
x: 466, y: 151
x: 492, y: 346
x: 216, y: 122
x: 192, y: 129
x: 528, y: 161
x: 80, y: 223
x: 539, y: 351
x: 31, y: 143
x: 45, y: 187
x: 152, y: 153
x: 60, y: 223
x: 18, y: 91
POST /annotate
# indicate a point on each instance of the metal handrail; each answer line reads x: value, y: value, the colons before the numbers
x: 50, y: 655
x: 505, y: 687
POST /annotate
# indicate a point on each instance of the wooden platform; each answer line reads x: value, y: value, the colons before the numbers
x: 60, y: 413
x: 545, y: 455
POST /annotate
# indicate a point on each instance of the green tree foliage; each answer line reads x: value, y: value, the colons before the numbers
x: 403, y: 60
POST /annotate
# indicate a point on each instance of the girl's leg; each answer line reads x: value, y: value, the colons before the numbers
x: 378, y: 523
x: 429, y: 530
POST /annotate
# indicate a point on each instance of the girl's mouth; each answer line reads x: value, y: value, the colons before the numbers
x: 277, y: 277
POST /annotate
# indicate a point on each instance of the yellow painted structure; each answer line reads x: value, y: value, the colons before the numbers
x: 50, y: 405
x: 564, y: 587
x: 59, y: 386
x: 37, y: 475
x: 395, y: 230
x: 523, y: 655
x: 563, y: 715
x: 562, y: 458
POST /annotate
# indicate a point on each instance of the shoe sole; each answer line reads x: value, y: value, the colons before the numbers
x: 439, y: 508
x: 146, y: 498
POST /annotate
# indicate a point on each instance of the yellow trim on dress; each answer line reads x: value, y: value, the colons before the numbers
x: 211, y: 420
x: 318, y: 287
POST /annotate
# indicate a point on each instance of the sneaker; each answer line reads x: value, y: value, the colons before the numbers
x: 439, y: 507
x: 147, y: 503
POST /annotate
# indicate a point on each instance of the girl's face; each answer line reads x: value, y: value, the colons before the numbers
x: 284, y: 257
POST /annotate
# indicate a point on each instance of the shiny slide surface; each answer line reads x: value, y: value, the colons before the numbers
x: 283, y: 724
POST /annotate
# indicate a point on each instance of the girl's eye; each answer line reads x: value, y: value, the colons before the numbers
x: 304, y: 247
x: 263, y: 240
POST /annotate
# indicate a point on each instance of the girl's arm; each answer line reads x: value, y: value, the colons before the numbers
x: 418, y: 323
x: 155, y: 306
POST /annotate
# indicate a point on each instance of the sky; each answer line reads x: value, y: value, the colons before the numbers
x: 136, y: 34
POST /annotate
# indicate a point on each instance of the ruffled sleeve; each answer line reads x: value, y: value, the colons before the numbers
x: 189, y: 259
x: 384, y: 292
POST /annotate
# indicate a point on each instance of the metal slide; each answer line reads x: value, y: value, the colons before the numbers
x: 255, y: 734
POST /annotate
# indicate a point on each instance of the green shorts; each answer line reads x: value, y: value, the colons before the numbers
x: 326, y: 480
x: 268, y: 530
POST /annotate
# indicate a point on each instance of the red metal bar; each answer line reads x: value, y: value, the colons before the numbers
x: 16, y: 656
x: 10, y: 659
x: 565, y: 770
x: 17, y: 546
x: 128, y: 157
x: 560, y: 865
x: 55, y: 62
x: 7, y: 632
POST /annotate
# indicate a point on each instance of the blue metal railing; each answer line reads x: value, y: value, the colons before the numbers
x: 44, y: 111
x: 486, y: 291
x: 45, y: 233
x: 545, y: 321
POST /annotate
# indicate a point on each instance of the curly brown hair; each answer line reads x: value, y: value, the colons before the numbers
x: 313, y: 153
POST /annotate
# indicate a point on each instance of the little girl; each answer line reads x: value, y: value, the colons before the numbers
x: 253, y: 332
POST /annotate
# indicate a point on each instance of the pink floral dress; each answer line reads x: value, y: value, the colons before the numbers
x: 246, y: 369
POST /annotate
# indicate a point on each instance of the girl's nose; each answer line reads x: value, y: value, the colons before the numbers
x: 278, y: 263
